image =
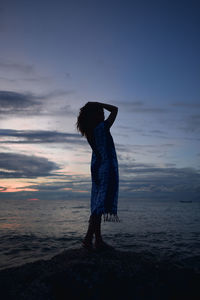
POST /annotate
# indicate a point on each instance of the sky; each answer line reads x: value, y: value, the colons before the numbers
x: 141, y: 56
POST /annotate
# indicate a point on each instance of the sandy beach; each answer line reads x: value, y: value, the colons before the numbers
x: 112, y: 274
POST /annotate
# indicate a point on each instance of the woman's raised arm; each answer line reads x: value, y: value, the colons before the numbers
x: 113, y: 113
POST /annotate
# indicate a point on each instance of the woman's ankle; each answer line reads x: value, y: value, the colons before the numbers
x: 88, y: 239
x: 98, y: 239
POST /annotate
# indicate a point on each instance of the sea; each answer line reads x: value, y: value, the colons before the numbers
x: 34, y: 229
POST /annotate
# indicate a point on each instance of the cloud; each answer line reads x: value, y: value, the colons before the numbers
x: 14, y: 165
x: 145, y: 149
x: 149, y: 180
x: 143, y: 182
x: 22, y: 73
x: 68, y: 183
x: 136, y: 180
x: 19, y: 72
x: 2, y: 188
x: 139, y: 107
x: 37, y: 79
x: 15, y: 103
x: 180, y: 115
x: 192, y: 124
x: 39, y: 136
x: 146, y: 169
x: 186, y: 104
x: 8, y: 79
x: 190, y: 116
x: 126, y: 167
x: 19, y: 67
x: 55, y: 187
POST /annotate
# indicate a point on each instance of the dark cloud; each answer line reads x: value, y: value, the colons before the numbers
x: 137, y: 180
x: 186, y: 104
x: 192, y: 124
x: 146, y: 169
x: 14, y: 99
x: 145, y: 132
x: 158, y: 149
x: 15, y: 103
x: 151, y: 183
x: 25, y: 72
x: 139, y: 107
x: 155, y: 182
x: 8, y: 79
x: 39, y: 136
x: 14, y: 165
x: 188, y: 119
x: 58, y: 93
x: 2, y: 189
x: 19, y: 67
x: 75, y: 183
x: 64, y: 187
x: 37, y: 79
x: 133, y: 165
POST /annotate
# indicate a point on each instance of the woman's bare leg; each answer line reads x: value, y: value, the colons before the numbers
x: 99, y: 243
x: 97, y: 230
x: 94, y: 228
x: 90, y: 231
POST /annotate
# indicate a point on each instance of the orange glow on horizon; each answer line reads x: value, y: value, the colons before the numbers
x: 12, y: 185
x: 14, y: 190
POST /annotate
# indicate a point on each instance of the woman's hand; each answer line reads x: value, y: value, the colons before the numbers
x: 109, y: 107
x: 113, y: 113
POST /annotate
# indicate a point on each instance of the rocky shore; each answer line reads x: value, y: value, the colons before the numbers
x: 112, y: 274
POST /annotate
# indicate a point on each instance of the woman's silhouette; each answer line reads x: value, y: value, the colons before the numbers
x: 104, y: 168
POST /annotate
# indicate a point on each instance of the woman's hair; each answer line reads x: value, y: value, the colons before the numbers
x: 89, y: 116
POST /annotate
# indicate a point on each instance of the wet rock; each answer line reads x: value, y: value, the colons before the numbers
x: 112, y: 274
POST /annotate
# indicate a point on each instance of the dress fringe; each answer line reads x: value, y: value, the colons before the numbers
x: 110, y: 218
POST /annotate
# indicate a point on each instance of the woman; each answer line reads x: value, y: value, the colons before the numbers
x: 104, y: 168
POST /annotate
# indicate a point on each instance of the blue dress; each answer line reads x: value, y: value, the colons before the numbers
x: 104, y: 173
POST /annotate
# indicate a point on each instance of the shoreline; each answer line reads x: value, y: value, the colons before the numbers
x: 111, y: 274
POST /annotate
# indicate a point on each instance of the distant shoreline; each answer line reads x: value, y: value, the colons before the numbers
x: 112, y: 274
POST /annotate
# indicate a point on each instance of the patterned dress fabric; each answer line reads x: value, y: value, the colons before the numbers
x: 104, y: 173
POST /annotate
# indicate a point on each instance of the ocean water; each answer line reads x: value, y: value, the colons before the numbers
x: 31, y: 230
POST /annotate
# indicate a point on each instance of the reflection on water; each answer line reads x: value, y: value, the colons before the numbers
x: 31, y: 230
x: 9, y: 225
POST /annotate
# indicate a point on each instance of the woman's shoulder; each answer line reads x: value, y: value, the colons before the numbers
x: 102, y: 125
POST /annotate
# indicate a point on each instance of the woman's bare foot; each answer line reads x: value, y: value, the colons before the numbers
x: 101, y: 245
x: 87, y: 244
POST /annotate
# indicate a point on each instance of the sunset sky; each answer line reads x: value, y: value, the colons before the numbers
x: 142, y: 56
